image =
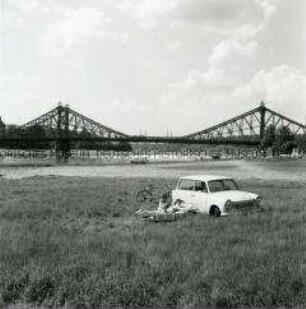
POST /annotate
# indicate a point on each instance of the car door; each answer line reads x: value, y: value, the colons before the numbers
x: 199, y: 196
x: 185, y: 190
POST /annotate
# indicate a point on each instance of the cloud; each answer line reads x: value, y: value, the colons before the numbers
x: 75, y: 26
x: 16, y: 13
x: 222, y: 72
x: 251, y: 19
x: 125, y: 37
x: 219, y: 11
x: 21, y: 6
x: 283, y: 86
x: 173, y: 46
x: 121, y: 105
x: 225, y: 65
x: 218, y: 16
x: 227, y: 60
x: 225, y: 68
x: 14, y: 90
x: 229, y: 57
x: 147, y: 12
x: 268, y: 6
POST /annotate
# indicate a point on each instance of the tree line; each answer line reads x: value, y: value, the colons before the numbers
x: 38, y: 131
x: 282, y: 140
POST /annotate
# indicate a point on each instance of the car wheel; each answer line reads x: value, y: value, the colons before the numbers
x: 215, y: 211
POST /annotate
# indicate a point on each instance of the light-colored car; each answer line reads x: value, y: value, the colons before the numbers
x: 214, y: 195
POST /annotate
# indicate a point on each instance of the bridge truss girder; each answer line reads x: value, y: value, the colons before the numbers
x: 278, y: 120
x: 250, y: 125
x: 65, y: 122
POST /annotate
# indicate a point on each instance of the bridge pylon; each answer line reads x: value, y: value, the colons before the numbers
x: 63, y: 125
x: 62, y: 142
x: 262, y: 112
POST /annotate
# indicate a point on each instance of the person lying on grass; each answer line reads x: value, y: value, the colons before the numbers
x: 166, y: 206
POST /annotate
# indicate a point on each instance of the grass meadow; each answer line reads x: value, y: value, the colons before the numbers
x: 74, y: 242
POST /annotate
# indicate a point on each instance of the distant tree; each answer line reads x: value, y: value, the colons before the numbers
x: 301, y: 142
x: 36, y: 131
x: 280, y: 140
x: 284, y: 140
x: 84, y: 144
x: 124, y: 146
x: 13, y: 131
x: 16, y: 132
x: 269, y: 137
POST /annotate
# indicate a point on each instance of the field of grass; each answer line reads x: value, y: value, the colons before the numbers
x: 74, y: 242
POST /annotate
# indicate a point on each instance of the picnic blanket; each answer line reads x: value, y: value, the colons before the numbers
x: 177, y: 210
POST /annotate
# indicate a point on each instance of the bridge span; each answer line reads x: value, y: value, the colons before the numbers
x: 64, y: 126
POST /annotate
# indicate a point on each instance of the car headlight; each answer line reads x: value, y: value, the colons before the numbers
x: 258, y: 200
x: 227, y: 205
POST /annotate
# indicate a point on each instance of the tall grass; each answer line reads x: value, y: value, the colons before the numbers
x: 72, y: 242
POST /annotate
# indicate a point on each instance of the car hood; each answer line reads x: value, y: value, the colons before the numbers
x: 234, y: 195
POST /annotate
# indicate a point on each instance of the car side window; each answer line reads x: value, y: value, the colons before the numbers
x: 215, y: 185
x: 186, y: 184
x: 230, y: 184
x: 200, y: 186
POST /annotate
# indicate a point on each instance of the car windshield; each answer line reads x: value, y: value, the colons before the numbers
x: 222, y: 185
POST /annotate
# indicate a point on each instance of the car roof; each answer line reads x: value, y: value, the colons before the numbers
x: 204, y: 177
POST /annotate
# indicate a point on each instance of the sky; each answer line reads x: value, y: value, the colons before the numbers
x: 152, y: 66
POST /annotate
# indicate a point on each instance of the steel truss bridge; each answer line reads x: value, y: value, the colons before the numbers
x: 63, y: 125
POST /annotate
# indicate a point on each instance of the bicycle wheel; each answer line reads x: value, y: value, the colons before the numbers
x: 144, y: 197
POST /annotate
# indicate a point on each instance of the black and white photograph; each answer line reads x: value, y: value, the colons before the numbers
x: 152, y: 154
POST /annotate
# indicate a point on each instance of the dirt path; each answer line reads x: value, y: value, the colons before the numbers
x: 236, y: 168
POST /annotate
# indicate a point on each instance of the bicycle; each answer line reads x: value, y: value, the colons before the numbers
x: 150, y: 196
